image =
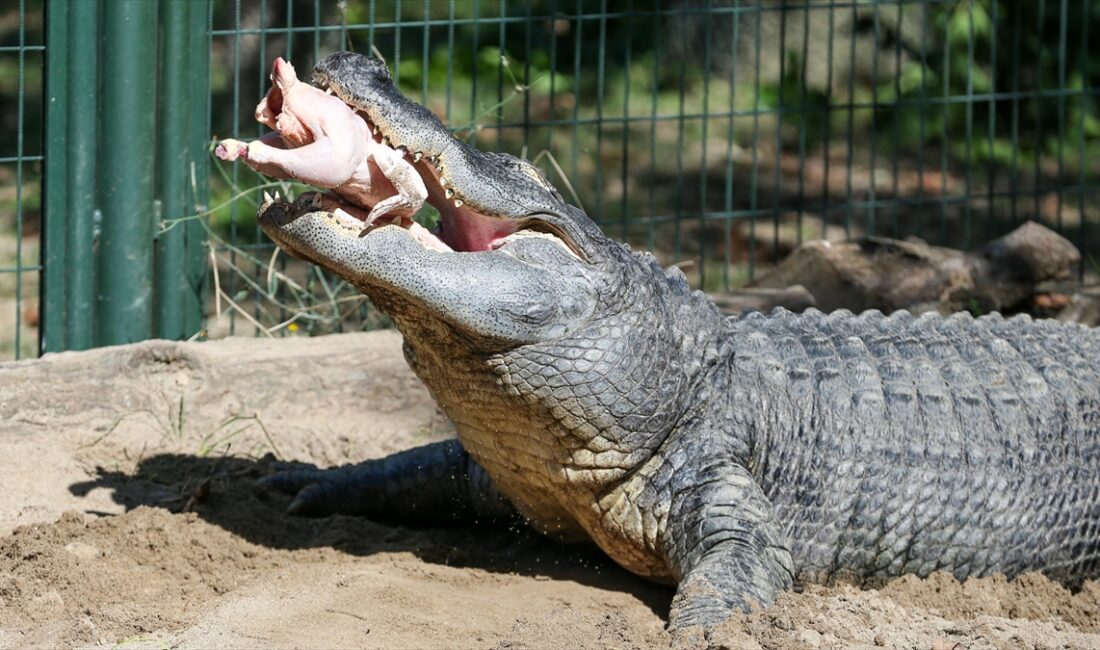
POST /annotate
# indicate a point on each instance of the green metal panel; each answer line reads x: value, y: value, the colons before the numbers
x: 173, y: 160
x: 127, y: 162
x: 193, y: 267
x: 82, y: 132
x: 113, y: 144
x: 55, y: 184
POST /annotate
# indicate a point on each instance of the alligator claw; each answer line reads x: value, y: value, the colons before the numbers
x: 290, y: 478
x: 302, y: 481
x: 316, y: 492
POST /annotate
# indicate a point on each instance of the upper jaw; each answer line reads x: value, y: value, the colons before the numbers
x: 476, y: 190
x: 473, y: 216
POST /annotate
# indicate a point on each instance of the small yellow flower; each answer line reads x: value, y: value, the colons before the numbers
x: 293, y: 327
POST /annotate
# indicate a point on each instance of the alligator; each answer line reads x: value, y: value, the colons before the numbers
x: 598, y: 397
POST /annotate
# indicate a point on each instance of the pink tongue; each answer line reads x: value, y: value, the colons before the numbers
x: 468, y: 231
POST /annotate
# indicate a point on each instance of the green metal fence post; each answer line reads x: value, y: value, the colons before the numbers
x: 128, y: 122
x: 55, y: 185
x: 82, y: 154
x: 198, y: 110
x: 173, y: 157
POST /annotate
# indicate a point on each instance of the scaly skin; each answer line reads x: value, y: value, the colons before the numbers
x: 605, y: 400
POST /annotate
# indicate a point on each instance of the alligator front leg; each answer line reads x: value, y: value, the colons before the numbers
x: 435, y: 483
x: 727, y: 548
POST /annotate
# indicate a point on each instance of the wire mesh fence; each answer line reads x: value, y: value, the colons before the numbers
x: 21, y: 54
x: 718, y: 134
x: 721, y: 134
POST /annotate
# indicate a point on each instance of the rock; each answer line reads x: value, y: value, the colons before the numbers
x: 889, y: 274
x: 83, y: 551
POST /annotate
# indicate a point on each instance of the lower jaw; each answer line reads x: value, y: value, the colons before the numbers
x: 354, y: 217
x: 460, y: 229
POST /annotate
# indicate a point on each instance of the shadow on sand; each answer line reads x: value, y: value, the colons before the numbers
x: 223, y: 491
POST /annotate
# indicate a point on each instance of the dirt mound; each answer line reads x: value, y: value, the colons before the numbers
x: 129, y: 514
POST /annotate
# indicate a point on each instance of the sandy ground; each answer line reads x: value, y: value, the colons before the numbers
x: 129, y: 517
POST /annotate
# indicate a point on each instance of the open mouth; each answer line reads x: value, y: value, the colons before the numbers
x: 461, y: 228
x: 353, y: 219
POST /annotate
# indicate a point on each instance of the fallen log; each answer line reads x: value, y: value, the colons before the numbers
x: 1084, y: 307
x: 795, y: 298
x: 889, y: 274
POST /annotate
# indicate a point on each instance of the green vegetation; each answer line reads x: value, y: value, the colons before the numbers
x: 1026, y: 65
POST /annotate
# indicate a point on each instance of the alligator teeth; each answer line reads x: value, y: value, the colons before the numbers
x: 329, y: 91
x: 267, y: 200
x: 417, y: 156
x: 316, y: 200
x: 276, y: 196
x: 449, y: 193
x: 458, y: 203
x: 443, y: 181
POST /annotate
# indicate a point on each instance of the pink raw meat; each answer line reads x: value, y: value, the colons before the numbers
x: 319, y: 140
